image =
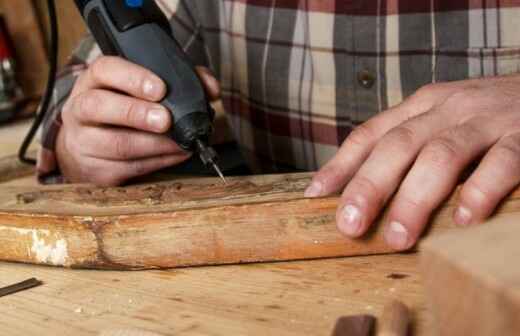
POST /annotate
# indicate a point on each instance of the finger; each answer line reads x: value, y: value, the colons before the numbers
x: 97, y: 107
x: 125, y: 144
x: 211, y: 84
x: 382, y: 172
x: 358, y: 145
x: 116, y: 173
x: 496, y: 176
x: 431, y: 179
x: 115, y: 73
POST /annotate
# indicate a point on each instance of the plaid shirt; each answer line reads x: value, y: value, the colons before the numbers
x: 298, y: 75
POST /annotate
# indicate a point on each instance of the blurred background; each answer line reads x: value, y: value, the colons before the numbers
x: 23, y: 51
x: 23, y: 70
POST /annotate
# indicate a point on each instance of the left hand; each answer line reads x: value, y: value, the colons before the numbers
x: 418, y: 150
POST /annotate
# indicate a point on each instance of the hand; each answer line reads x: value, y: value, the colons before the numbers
x: 113, y: 124
x: 418, y: 150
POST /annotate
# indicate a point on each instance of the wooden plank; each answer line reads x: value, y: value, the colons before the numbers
x: 285, y: 298
x: 181, y: 223
x: 473, y: 280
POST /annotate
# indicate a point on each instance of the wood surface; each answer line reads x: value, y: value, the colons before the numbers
x: 284, y: 298
x: 11, y: 167
x: 473, y: 280
x: 179, y: 223
x: 395, y: 319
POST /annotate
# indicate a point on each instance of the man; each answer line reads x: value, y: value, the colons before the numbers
x: 432, y: 85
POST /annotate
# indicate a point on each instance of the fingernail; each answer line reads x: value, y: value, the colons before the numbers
x: 157, y: 119
x: 351, y: 220
x: 462, y: 216
x: 152, y: 89
x: 314, y: 190
x: 397, y: 235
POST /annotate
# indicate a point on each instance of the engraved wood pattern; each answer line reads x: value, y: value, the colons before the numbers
x: 181, y: 223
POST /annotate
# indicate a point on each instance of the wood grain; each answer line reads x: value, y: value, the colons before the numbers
x: 181, y: 223
x: 473, y: 280
x: 11, y: 167
x: 285, y: 298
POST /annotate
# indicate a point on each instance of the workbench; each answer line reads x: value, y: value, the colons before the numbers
x: 283, y: 298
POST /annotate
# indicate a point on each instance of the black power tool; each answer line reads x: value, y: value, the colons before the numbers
x: 138, y: 31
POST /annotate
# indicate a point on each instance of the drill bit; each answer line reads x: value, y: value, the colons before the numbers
x: 217, y: 169
x: 208, y: 156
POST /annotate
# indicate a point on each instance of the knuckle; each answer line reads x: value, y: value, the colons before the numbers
x: 426, y: 91
x: 462, y: 133
x: 88, y: 103
x: 368, y: 187
x: 360, y: 136
x: 135, y: 80
x: 137, y: 168
x: 476, y: 195
x: 122, y: 146
x: 400, y: 138
x: 407, y: 201
x: 441, y: 151
x: 508, y: 152
x: 332, y: 176
x: 99, y: 67
x: 132, y: 114
x: 126, y: 112
x: 462, y: 100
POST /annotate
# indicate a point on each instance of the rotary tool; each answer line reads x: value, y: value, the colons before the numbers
x: 139, y: 31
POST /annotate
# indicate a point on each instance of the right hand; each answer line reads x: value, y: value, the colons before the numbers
x: 113, y: 124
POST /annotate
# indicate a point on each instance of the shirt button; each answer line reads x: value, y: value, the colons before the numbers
x: 366, y: 79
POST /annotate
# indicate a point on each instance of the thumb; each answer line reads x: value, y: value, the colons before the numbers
x: 210, y: 83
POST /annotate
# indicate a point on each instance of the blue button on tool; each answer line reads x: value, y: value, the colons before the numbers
x: 134, y: 3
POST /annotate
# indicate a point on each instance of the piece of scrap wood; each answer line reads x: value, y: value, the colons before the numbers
x: 20, y: 286
x: 473, y: 279
x: 182, y: 223
x: 354, y: 325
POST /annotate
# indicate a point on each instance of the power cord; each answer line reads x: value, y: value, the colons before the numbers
x: 51, y: 79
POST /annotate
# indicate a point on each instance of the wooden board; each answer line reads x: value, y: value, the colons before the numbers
x: 473, y: 280
x: 176, y: 223
x: 285, y: 298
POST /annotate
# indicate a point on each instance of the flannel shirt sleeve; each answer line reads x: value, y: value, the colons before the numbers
x: 187, y: 32
x: 47, y: 169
